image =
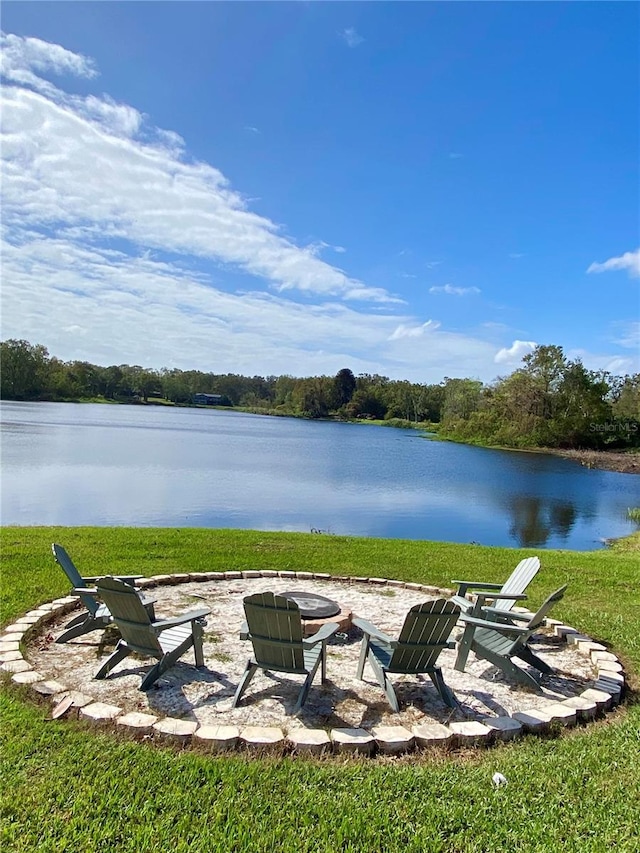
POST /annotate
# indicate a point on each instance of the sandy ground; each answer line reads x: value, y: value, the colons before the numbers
x: 608, y: 460
x: 204, y: 695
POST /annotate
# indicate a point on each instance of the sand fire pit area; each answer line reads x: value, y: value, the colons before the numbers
x: 189, y: 704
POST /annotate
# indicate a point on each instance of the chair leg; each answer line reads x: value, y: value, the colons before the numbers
x: 323, y: 663
x: 383, y: 680
x: 446, y: 694
x: 529, y: 657
x: 154, y: 673
x: 364, y: 652
x: 508, y: 667
x: 248, y: 674
x: 120, y: 653
x: 78, y: 620
x: 464, y: 647
x: 166, y: 662
x: 85, y: 626
x: 302, y: 697
x: 198, y: 634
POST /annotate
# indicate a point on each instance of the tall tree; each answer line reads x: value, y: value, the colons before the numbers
x: 344, y: 385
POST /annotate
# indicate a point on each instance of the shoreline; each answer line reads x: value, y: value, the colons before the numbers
x: 619, y: 461
x: 622, y: 462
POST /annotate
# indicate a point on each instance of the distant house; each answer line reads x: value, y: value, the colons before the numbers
x: 210, y: 399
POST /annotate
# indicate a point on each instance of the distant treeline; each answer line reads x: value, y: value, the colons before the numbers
x: 548, y: 402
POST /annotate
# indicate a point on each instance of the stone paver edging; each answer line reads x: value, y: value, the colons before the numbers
x: 605, y: 693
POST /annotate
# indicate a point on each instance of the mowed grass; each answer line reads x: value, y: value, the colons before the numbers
x: 68, y: 788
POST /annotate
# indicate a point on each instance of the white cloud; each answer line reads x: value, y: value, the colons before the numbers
x: 351, y: 37
x: 416, y: 331
x: 627, y: 335
x: 117, y: 118
x: 514, y: 354
x: 431, y: 265
x: 618, y: 365
x: 21, y: 58
x: 516, y: 255
x: 84, y: 175
x: 629, y: 261
x: 89, y: 162
x: 106, y: 307
x: 252, y: 129
x: 454, y: 291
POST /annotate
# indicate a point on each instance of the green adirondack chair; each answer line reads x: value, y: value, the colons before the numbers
x: 425, y: 633
x: 503, y: 597
x: 164, y: 639
x: 498, y: 642
x: 96, y: 614
x: 274, y: 626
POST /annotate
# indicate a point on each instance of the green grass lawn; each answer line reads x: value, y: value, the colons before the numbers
x: 67, y: 788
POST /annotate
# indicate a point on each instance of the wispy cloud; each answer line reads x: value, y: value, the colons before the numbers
x: 69, y: 160
x: 627, y: 335
x: 22, y: 59
x: 516, y: 255
x: 618, y: 365
x: 431, y: 265
x: 413, y: 331
x: 351, y: 37
x: 252, y: 129
x: 454, y: 155
x: 629, y: 261
x: 513, y: 355
x: 450, y: 290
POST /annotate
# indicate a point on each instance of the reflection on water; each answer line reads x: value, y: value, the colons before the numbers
x: 534, y: 521
x: 127, y: 465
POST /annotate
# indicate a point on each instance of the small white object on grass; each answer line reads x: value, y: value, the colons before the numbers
x: 499, y: 779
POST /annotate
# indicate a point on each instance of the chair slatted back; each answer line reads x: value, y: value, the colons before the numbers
x: 275, y: 630
x: 540, y: 614
x: 504, y: 644
x: 518, y: 581
x: 424, y: 635
x: 130, y: 616
x: 75, y: 579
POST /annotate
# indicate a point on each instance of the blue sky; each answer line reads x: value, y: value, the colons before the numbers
x: 419, y: 190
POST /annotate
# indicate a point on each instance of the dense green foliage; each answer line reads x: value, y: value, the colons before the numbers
x: 66, y: 788
x: 549, y: 402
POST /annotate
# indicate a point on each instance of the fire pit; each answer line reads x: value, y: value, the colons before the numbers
x: 316, y: 610
x: 313, y: 606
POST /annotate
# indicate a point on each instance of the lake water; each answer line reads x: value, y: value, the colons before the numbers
x: 68, y: 464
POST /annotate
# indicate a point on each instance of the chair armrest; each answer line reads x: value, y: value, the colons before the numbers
x: 191, y: 616
x: 499, y: 627
x: 371, y: 630
x: 508, y: 615
x: 497, y: 596
x: 85, y: 590
x: 463, y: 586
x: 129, y: 579
x: 244, y: 631
x: 480, y: 602
x: 323, y: 633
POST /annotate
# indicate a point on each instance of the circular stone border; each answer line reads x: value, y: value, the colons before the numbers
x: 605, y: 693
